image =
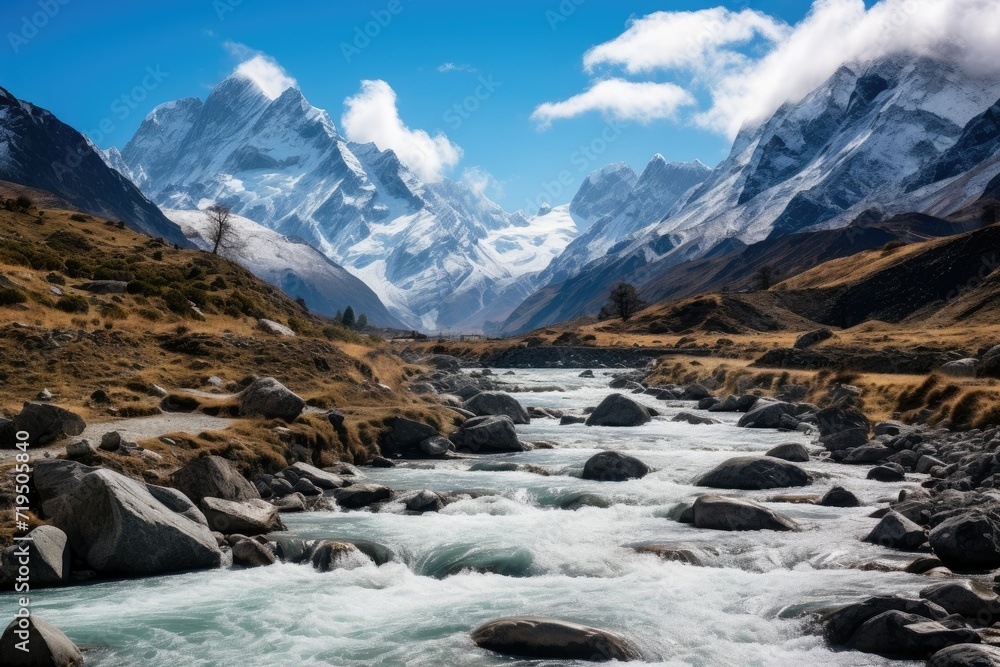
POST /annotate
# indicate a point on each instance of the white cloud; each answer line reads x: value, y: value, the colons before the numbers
x: 481, y: 182
x: 621, y: 100
x: 684, y: 39
x: 262, y: 69
x: 452, y: 67
x: 372, y: 116
x: 748, y: 64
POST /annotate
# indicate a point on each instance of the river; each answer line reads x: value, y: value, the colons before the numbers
x: 513, y: 549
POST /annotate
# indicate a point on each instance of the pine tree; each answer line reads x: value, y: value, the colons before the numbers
x: 348, y: 320
x: 362, y: 322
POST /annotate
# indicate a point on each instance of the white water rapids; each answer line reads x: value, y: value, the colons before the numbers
x: 515, y: 550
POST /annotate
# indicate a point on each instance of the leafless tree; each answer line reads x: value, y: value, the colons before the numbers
x: 623, y: 302
x: 222, y: 232
x: 764, y: 278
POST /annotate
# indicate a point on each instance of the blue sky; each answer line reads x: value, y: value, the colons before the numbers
x: 87, y: 55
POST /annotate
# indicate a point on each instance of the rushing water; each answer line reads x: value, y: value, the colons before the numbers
x: 511, y: 548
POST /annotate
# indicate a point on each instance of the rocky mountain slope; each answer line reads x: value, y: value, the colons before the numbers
x: 437, y: 254
x: 39, y: 151
x: 893, y: 136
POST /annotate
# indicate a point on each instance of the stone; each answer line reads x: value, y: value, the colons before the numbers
x: 306, y: 488
x: 614, y: 467
x: 44, y: 395
x: 618, y: 410
x: 754, y: 473
x: 960, y: 368
x: 838, y: 496
x: 319, y: 478
x: 117, y: 526
x: 895, y: 531
x: 405, y: 436
x: 969, y: 541
x: 425, y: 501
x: 989, y: 365
x: 566, y: 420
x: 177, y: 502
x: 111, y: 441
x: 790, y: 451
x: 436, y: 446
x: 812, y: 338
x: 767, y: 414
x: 49, y: 647
x: 586, y: 374
x: 695, y: 392
x: 105, y: 287
x: 251, y: 553
x: 488, y: 434
x: 248, y: 517
x: 358, y: 496
x: 330, y: 555
x: 533, y: 637
x: 336, y: 418
x: 840, y: 624
x: 693, y: 419
x: 728, y: 404
x: 293, y: 502
x: 719, y: 513
x: 268, y: 398
x: 959, y: 597
x: 57, y: 477
x: 871, y: 453
x: 276, y: 328
x: 47, y: 423
x: 966, y: 655
x: 886, y: 474
x: 80, y: 449
x: 843, y: 428
x: 47, y: 555
x: 212, y: 477
x: 496, y: 403
x: 898, y: 634
x: 926, y: 463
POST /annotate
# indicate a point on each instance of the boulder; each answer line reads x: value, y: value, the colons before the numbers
x: 870, y: 453
x: 960, y: 368
x: 533, y: 637
x: 840, y: 624
x: 495, y: 403
x: 886, y: 473
x: 843, y: 428
x: 768, y: 414
x: 306, y: 488
x: 898, y: 634
x: 293, y: 502
x: 695, y: 392
x: 321, y: 479
x: 105, y: 287
x: 966, y: 655
x: 895, y: 531
x: 212, y: 477
x: 111, y: 441
x: 330, y: 555
x: 718, y: 513
x: 276, y: 328
x: 80, y: 449
x: 48, y: 646
x: 838, y: 496
x: 46, y: 423
x: 754, y: 473
x: 251, y: 553
x: 790, y: 451
x: 268, y: 398
x: 116, y: 526
x: 47, y: 555
x: 57, y: 477
x: 989, y: 365
x: 728, y: 404
x: 618, y: 410
x: 959, y: 597
x: 693, y: 419
x: 489, y: 434
x: 436, y: 446
x: 404, y: 438
x: 614, y: 467
x: 566, y: 420
x: 248, y: 517
x: 969, y: 541
x: 177, y: 502
x: 361, y: 495
x: 425, y: 501
x: 812, y: 338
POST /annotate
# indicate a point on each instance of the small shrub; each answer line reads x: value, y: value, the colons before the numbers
x: 11, y: 297
x: 158, y: 255
x: 72, y: 303
x: 149, y: 314
x: 113, y: 311
x: 78, y: 217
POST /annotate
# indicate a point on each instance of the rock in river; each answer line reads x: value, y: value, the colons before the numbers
x: 212, y: 477
x: 969, y: 541
x: 618, y: 410
x: 718, y: 513
x: 488, y: 403
x: 966, y: 655
x: 532, y: 637
x: 249, y: 517
x: 895, y: 531
x: 489, y: 434
x: 47, y: 557
x: 49, y: 647
x: 899, y: 634
x: 754, y: 473
x: 790, y: 451
x: 614, y: 467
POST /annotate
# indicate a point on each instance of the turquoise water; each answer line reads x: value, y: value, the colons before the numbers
x: 507, y: 548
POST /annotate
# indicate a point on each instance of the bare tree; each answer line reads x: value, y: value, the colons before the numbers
x: 222, y: 232
x: 623, y: 303
x: 764, y: 278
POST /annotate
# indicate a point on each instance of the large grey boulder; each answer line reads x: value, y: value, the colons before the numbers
x: 48, y: 646
x: 212, y: 477
x: 533, y: 637
x: 899, y: 634
x: 248, y: 517
x: 117, y: 526
x: 840, y: 624
x: 45, y: 423
x: 989, y: 365
x: 251, y: 553
x: 966, y: 655
x: 57, y: 477
x: 969, y: 541
x: 959, y: 597
x: 614, y: 467
x: 838, y: 496
x: 488, y: 434
x: 321, y: 479
x: 718, y: 513
x: 770, y: 414
x: 357, y: 496
x: 618, y: 410
x: 960, y: 368
x: 404, y: 438
x: 754, y: 473
x: 895, y: 531
x: 47, y: 556
x: 268, y: 398
x: 426, y: 501
x: 843, y: 428
x: 331, y: 555
x: 811, y: 338
x: 488, y: 403
x: 177, y: 502
x: 790, y: 451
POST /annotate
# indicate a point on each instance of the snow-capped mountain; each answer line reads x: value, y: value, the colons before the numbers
x: 291, y: 265
x: 898, y: 134
x: 437, y: 254
x: 40, y: 151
